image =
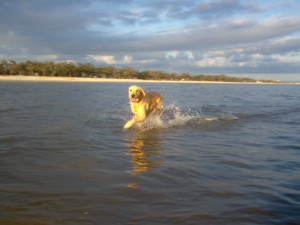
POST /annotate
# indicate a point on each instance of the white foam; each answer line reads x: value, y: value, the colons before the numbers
x: 179, y: 119
x: 152, y: 122
x: 172, y: 116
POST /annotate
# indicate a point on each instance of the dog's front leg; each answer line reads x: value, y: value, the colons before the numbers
x: 140, y: 117
x: 129, y: 123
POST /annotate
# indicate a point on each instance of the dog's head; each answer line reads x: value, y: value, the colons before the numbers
x: 135, y: 93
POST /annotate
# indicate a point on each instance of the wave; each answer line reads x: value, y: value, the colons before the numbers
x: 7, y: 109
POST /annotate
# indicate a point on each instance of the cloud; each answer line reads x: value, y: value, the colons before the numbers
x: 109, y: 59
x: 281, y: 45
x: 212, y: 62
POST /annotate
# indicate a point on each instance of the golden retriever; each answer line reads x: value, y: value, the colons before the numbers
x: 142, y: 105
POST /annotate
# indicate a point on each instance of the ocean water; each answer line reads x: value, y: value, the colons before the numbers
x: 219, y: 154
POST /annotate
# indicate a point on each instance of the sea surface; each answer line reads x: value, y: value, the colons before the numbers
x: 219, y: 154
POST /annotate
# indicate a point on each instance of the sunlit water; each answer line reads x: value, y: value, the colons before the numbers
x: 219, y: 154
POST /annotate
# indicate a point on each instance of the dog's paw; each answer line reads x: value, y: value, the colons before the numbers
x: 128, y: 124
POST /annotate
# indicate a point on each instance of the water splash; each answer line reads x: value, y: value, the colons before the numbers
x: 153, y: 122
x: 174, y: 116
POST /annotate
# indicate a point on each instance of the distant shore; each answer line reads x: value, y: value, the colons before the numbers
x: 81, y: 79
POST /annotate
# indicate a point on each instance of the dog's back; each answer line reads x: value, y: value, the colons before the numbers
x: 153, y: 102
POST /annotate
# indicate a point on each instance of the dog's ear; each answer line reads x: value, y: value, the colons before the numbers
x: 142, y: 91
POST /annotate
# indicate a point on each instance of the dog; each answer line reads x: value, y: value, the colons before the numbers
x: 142, y: 105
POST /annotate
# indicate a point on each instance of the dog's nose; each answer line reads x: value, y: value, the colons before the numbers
x: 132, y: 96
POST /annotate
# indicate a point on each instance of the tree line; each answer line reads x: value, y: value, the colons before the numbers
x: 70, y: 69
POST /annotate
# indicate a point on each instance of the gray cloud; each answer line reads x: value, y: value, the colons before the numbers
x: 280, y: 46
x: 249, y: 36
x: 204, y: 38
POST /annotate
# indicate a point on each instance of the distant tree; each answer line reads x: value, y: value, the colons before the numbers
x: 70, y: 69
x: 2, y: 67
x: 50, y: 69
x: 86, y: 70
x: 127, y: 73
x: 109, y: 72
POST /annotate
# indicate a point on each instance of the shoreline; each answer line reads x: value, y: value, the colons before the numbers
x: 21, y: 78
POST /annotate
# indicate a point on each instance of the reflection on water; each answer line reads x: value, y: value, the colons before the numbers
x: 143, y: 148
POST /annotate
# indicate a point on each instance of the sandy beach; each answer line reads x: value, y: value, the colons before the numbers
x: 81, y: 79
x: 62, y: 79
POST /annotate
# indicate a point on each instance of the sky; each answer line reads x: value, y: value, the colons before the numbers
x: 258, y: 38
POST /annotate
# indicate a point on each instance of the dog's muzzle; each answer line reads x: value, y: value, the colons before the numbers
x: 134, y: 98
